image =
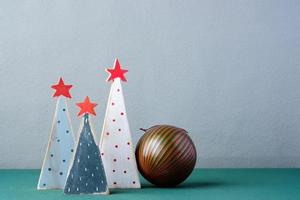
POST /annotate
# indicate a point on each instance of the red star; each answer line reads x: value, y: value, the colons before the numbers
x: 116, y: 72
x: 61, y: 89
x: 86, y: 106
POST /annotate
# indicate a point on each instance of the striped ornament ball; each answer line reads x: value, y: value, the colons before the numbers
x: 165, y: 155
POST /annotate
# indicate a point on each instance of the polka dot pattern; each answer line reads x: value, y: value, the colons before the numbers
x: 87, y: 175
x: 58, y: 155
x: 121, y: 170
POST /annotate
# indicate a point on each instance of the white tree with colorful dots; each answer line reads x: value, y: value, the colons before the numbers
x: 61, y: 143
x: 116, y: 144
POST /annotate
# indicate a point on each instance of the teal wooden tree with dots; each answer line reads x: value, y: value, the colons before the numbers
x: 86, y: 174
x: 61, y: 143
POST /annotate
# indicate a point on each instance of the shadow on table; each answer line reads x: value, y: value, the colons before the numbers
x: 204, y: 184
x: 194, y: 184
x: 186, y: 185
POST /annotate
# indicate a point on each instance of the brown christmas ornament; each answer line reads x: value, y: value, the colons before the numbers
x: 165, y: 155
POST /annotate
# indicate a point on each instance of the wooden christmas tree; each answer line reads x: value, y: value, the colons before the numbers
x: 115, y: 144
x: 86, y: 175
x: 61, y: 143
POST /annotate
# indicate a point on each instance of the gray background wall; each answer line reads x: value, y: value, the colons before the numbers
x: 227, y: 71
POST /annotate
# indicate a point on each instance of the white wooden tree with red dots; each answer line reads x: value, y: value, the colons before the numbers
x: 115, y: 144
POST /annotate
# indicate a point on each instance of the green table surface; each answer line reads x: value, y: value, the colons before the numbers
x: 202, y: 184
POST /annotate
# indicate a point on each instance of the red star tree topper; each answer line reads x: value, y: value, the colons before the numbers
x: 61, y: 89
x: 86, y: 106
x: 116, y: 72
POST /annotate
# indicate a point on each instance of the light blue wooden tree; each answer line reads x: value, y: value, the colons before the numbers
x: 60, y: 148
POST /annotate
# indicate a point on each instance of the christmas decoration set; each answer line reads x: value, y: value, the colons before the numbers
x: 165, y: 155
